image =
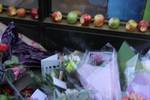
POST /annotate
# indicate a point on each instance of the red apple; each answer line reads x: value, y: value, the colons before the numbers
x: 34, y: 13
x: 143, y: 25
x: 56, y: 16
x: 12, y: 11
x: 131, y: 25
x: 99, y: 20
x: 21, y: 12
x: 85, y: 19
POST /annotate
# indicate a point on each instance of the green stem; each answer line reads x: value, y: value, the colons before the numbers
x: 14, y: 88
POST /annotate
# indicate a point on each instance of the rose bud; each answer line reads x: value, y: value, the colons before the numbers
x: 7, y: 89
x: 99, y: 20
x: 56, y: 16
x: 143, y: 25
x: 3, y: 47
x: 131, y: 25
x: 85, y: 19
x: 27, y: 92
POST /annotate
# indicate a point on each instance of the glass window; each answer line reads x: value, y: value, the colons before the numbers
x: 87, y: 6
x: 126, y: 9
x: 21, y: 3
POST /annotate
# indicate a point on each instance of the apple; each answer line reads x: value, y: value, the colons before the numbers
x: 72, y: 17
x: 56, y: 16
x: 143, y: 25
x: 78, y: 12
x: 85, y: 19
x: 114, y: 23
x: 131, y: 25
x: 99, y: 20
x: 21, y: 12
x: 34, y: 13
x: 1, y: 8
x: 12, y: 11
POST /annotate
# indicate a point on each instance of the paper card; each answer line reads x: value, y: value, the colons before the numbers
x: 59, y: 83
x: 39, y: 95
x: 48, y: 64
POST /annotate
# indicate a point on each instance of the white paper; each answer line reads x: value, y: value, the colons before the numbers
x: 39, y: 95
x: 59, y: 83
x: 49, y: 63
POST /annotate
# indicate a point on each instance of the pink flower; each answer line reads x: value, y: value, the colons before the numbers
x: 135, y: 96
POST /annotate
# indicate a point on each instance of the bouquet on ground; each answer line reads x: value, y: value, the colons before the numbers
x: 60, y: 81
x: 99, y: 72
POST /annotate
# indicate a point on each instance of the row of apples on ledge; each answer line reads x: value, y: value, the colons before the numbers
x: 99, y: 20
x: 20, y: 12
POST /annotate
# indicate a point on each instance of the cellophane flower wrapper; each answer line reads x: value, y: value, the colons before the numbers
x: 73, y: 94
x: 28, y: 51
x: 101, y: 76
x: 73, y: 89
x: 133, y: 66
x: 145, y: 60
x: 140, y: 85
x: 137, y: 76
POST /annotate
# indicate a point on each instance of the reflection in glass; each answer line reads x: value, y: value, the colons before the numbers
x: 87, y: 6
x: 21, y: 3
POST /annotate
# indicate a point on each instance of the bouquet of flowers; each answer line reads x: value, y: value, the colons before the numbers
x: 99, y: 72
x: 59, y: 73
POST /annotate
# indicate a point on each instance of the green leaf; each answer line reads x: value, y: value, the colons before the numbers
x: 124, y: 54
x: 13, y: 61
x: 4, y: 97
x: 146, y: 12
x: 10, y: 75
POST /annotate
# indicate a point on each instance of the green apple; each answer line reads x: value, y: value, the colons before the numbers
x: 72, y: 17
x: 114, y: 23
x: 131, y: 25
x: 1, y: 8
x: 4, y: 97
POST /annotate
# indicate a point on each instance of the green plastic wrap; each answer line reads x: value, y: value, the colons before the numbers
x: 124, y: 54
x: 147, y: 11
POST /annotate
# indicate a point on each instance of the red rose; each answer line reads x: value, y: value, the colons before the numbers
x: 3, y: 47
x: 27, y: 92
x: 7, y: 89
